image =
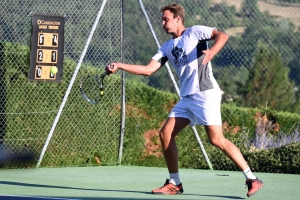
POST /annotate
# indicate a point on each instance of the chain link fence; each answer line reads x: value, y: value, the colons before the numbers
x: 87, y: 135
x: 29, y: 107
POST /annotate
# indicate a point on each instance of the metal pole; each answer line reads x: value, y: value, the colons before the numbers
x: 123, y: 89
x: 175, y: 84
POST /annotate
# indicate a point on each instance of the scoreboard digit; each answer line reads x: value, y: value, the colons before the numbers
x: 48, y: 39
x: 47, y: 46
x: 46, y: 56
x: 43, y: 72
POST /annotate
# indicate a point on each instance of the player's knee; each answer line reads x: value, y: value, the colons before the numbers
x: 217, y: 142
x: 164, y: 136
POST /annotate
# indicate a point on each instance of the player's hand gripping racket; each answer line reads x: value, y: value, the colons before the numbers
x: 91, y: 87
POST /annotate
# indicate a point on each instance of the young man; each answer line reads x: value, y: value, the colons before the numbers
x: 200, y: 94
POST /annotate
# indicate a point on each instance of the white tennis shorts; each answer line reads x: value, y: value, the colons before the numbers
x: 203, y: 108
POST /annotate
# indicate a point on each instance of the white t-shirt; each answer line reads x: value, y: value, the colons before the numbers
x: 185, y: 54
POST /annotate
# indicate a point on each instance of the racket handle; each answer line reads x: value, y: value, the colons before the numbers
x: 105, y: 73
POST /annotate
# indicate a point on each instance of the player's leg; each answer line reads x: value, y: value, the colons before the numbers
x: 207, y: 109
x: 167, y: 137
x: 216, y: 137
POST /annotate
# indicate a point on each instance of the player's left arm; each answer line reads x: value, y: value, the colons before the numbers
x: 145, y: 70
x: 220, y: 40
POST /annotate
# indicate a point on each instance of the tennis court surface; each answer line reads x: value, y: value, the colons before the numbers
x: 132, y: 182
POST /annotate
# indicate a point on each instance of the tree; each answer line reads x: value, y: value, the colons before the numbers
x: 231, y: 79
x: 250, y: 9
x: 268, y: 82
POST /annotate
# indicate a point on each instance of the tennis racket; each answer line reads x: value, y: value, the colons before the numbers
x: 92, y: 88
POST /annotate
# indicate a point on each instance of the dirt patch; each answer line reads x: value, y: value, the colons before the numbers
x: 152, y: 143
x: 290, y: 12
x: 236, y: 3
x: 281, y: 11
x: 134, y: 111
x: 235, y: 31
x: 231, y: 129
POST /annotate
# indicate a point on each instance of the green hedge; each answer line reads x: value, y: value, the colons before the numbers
x: 146, y: 106
x: 34, y: 101
x: 247, y: 117
x: 285, y: 159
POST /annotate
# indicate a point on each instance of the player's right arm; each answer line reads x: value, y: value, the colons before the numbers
x: 145, y: 70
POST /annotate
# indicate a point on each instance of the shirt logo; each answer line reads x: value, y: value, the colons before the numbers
x: 180, y: 57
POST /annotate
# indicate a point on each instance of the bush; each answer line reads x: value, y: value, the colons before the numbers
x: 285, y: 159
x: 148, y: 107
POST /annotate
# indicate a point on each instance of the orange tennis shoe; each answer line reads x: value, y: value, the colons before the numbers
x: 253, y: 186
x: 169, y: 188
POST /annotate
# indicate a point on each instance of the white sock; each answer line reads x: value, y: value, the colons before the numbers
x: 248, y: 174
x: 174, y: 178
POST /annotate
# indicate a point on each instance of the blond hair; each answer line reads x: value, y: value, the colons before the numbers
x: 176, y: 9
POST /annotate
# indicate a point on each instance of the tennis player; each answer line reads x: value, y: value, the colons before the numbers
x: 200, y: 94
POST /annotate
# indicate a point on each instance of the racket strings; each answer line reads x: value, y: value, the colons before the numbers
x: 92, y: 88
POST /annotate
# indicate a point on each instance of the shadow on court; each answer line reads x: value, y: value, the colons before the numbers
x: 75, y: 198
x: 91, y: 198
x: 133, y: 182
x: 90, y: 189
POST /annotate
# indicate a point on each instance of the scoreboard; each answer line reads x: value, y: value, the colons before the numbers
x: 46, y: 49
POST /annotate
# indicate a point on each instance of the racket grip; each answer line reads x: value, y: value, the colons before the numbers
x: 104, y: 74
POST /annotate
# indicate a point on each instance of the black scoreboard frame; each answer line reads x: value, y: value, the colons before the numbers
x: 46, y: 48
